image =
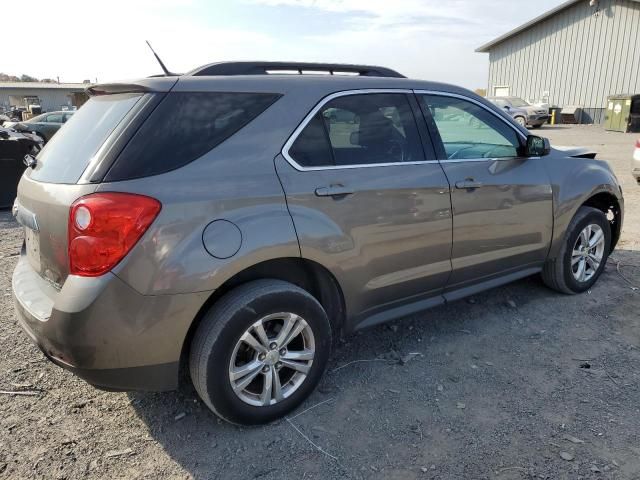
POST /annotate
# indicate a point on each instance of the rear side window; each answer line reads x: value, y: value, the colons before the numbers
x: 69, y: 151
x: 362, y: 129
x: 183, y: 127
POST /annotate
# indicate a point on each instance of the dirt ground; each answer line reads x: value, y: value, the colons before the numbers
x: 515, y: 383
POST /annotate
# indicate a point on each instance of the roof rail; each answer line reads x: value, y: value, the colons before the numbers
x: 266, y: 68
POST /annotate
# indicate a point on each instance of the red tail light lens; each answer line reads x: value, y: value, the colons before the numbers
x: 104, y: 227
x: 638, y: 143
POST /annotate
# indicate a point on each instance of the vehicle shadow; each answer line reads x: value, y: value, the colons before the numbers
x: 373, y: 388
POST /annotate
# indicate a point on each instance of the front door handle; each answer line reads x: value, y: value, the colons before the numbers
x: 468, y: 184
x: 333, y: 191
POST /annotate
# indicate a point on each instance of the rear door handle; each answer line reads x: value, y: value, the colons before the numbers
x: 468, y: 184
x: 333, y: 191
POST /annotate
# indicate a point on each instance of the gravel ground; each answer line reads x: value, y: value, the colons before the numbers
x: 515, y: 383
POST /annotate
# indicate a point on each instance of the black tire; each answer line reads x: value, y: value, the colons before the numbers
x: 536, y: 126
x: 557, y: 273
x: 219, y: 331
x: 521, y: 121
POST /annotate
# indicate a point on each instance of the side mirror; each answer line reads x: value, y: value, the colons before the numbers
x: 537, y: 146
x: 507, y: 107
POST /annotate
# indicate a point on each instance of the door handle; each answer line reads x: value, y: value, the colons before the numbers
x: 333, y: 191
x: 468, y: 184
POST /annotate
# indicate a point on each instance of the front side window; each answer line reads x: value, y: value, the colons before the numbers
x: 360, y: 129
x: 54, y: 118
x: 469, y: 131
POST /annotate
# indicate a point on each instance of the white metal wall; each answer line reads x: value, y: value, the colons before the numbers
x: 577, y: 56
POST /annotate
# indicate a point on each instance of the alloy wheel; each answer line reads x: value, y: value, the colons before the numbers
x: 272, y: 359
x: 588, y: 252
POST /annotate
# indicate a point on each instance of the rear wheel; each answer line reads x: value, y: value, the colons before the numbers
x: 260, y: 351
x: 583, y: 255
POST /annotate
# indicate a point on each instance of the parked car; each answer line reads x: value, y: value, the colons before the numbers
x: 13, y: 147
x: 44, y: 125
x: 520, y: 115
x: 636, y: 162
x: 236, y: 220
x: 535, y: 116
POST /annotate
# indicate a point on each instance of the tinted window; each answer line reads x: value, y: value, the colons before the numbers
x: 360, y: 129
x: 311, y: 148
x: 470, y: 131
x: 184, y: 127
x: 54, y: 118
x: 66, y: 117
x: 69, y: 151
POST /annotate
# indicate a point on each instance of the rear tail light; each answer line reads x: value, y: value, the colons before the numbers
x: 638, y: 143
x: 104, y: 227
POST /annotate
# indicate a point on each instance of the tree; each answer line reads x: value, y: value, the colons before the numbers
x: 27, y: 78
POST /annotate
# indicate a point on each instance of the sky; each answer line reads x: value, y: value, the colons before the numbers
x: 426, y: 39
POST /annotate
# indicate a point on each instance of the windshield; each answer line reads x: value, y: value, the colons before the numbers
x: 68, y: 153
x: 518, y: 102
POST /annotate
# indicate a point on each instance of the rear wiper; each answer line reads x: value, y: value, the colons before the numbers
x: 30, y: 161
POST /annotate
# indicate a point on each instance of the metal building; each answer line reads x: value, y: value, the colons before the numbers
x: 577, y: 54
x: 50, y: 96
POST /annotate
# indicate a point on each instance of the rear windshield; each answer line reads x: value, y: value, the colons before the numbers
x: 67, y: 154
x: 183, y: 127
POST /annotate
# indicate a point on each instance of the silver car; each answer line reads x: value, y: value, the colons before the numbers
x: 236, y: 220
x: 523, y: 112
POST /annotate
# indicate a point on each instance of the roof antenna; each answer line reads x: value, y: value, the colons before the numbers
x: 167, y: 73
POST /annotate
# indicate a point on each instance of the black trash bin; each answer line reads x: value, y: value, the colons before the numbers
x: 13, y: 147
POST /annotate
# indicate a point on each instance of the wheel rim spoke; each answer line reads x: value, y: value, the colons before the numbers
x: 575, y: 258
x: 594, y: 264
x: 597, y: 237
x: 267, y: 386
x: 277, y: 388
x: 299, y: 366
x: 288, y: 323
x: 581, y: 269
x: 300, y: 326
x: 244, y: 370
x: 262, y: 335
x: 299, y: 355
x: 242, y: 384
x: 250, y: 340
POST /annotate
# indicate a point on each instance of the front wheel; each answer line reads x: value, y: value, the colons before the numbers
x: 521, y: 121
x: 260, y: 351
x: 583, y: 255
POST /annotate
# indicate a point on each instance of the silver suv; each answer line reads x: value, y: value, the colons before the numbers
x: 236, y: 220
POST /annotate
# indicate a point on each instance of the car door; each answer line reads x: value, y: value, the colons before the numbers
x: 370, y: 202
x: 501, y: 200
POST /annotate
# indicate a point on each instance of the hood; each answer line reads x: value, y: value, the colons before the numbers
x: 576, y: 152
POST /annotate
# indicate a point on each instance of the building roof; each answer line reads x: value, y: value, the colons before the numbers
x: 563, y: 6
x: 44, y: 86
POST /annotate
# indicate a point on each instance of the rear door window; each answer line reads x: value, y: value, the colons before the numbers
x: 185, y: 126
x: 68, y: 153
x: 362, y: 129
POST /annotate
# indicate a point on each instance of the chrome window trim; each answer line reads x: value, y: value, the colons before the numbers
x: 318, y: 107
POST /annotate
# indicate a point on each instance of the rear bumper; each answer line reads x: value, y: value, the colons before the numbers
x: 104, y: 331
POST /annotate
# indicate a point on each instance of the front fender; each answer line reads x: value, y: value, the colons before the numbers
x: 574, y: 181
